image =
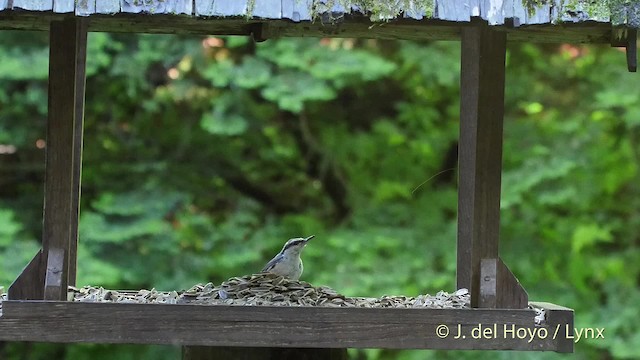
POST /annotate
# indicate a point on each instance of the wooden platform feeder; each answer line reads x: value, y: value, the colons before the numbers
x: 37, y: 309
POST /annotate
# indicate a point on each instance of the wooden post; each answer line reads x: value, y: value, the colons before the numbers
x: 54, y: 267
x: 80, y: 81
x: 68, y: 41
x: 482, y: 83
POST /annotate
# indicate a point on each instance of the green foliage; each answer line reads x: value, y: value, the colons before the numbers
x: 16, y: 248
x: 202, y: 155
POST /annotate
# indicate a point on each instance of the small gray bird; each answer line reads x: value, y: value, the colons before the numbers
x: 288, y: 263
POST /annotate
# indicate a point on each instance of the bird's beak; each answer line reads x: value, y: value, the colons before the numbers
x: 309, y: 238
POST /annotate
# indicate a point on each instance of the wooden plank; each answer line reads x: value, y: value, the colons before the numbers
x: 415, y: 12
x: 33, y: 5
x: 474, y: 7
x: 302, y: 10
x: 287, y: 7
x: 172, y: 7
x: 561, y: 318
x: 203, y: 7
x: 78, y: 132
x: 107, y: 6
x: 499, y: 288
x: 632, y: 50
x: 85, y: 7
x: 131, y: 6
x: 494, y: 11
x: 64, y: 6
x: 409, y: 29
x: 507, y: 8
x: 263, y: 326
x: 184, y: 7
x: 30, y: 283
x: 60, y: 223
x: 480, y: 155
x: 541, y: 15
x: 453, y: 10
x: 226, y: 8
x: 519, y: 13
x: 267, y: 9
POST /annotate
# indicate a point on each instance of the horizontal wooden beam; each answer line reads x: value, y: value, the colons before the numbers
x: 358, y: 27
x: 263, y: 326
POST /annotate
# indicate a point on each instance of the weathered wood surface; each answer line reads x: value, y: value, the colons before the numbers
x: 33, y: 5
x: 78, y: 132
x: 499, y: 288
x: 562, y: 318
x: 67, y: 41
x: 262, y: 326
x: 496, y: 12
x: 482, y: 82
x: 356, y: 27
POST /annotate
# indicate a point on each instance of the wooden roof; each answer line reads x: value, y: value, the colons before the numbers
x: 553, y: 21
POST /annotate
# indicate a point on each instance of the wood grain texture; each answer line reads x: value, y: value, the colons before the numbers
x: 60, y: 223
x: 519, y: 13
x: 595, y: 33
x: 64, y: 6
x: 499, y: 288
x: 262, y: 326
x: 541, y: 15
x: 107, y: 6
x: 184, y: 7
x: 474, y: 7
x: 85, y: 7
x: 561, y: 318
x: 480, y: 156
x: 203, y: 7
x: 415, y: 12
x: 157, y: 7
x: 507, y: 7
x: 453, y: 10
x: 78, y: 132
x: 30, y: 283
x: 33, y: 5
x: 287, y: 7
x: 267, y: 9
x: 494, y: 11
x: 225, y: 8
x: 302, y: 10
x: 131, y: 6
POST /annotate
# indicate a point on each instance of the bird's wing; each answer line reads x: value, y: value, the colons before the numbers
x: 272, y: 263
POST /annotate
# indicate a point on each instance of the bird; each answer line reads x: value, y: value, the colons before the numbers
x: 288, y: 262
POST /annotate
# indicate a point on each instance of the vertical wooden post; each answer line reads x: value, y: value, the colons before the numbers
x: 81, y: 61
x: 54, y: 267
x: 480, y: 156
x: 68, y: 41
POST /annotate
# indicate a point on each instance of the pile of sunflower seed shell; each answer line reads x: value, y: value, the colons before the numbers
x: 100, y: 294
x: 269, y: 290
